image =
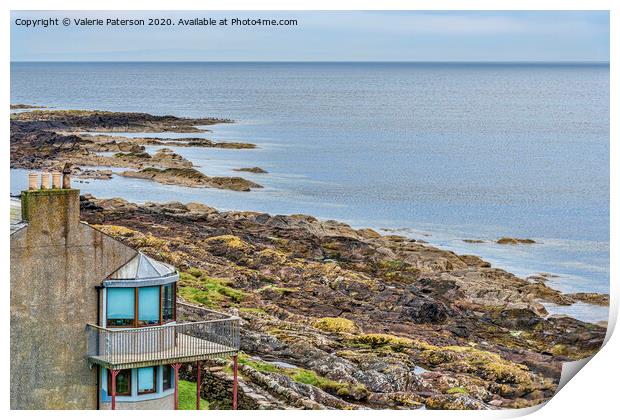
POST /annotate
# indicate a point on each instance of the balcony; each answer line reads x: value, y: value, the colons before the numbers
x: 182, y: 342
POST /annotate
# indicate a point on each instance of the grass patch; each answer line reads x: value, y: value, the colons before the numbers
x: 187, y: 396
x: 257, y: 311
x: 342, y: 389
x: 259, y: 365
x: 308, y: 377
x: 195, y: 286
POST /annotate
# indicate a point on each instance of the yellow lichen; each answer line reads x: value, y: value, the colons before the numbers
x: 231, y: 241
x: 115, y: 230
x: 272, y: 256
x: 338, y: 325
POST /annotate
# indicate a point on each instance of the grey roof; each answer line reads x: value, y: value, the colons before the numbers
x: 142, y: 267
x: 16, y: 215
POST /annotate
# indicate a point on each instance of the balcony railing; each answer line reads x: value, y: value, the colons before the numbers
x: 122, y: 348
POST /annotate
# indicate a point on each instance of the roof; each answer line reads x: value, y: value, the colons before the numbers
x: 142, y: 267
x: 16, y: 215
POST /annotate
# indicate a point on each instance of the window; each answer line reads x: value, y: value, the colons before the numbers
x: 148, y: 306
x: 167, y: 376
x: 120, y: 306
x: 123, y: 382
x: 168, y: 302
x: 147, y: 380
x: 140, y: 307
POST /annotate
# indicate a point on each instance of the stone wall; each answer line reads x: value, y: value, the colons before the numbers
x: 56, y: 262
x: 217, y: 387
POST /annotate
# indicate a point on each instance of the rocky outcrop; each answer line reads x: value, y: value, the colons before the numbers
x: 514, y: 241
x: 346, y: 318
x: 191, y: 178
x: 100, y: 121
x: 50, y: 139
x: 254, y: 170
x: 109, y: 140
x: 25, y: 106
x: 591, y: 298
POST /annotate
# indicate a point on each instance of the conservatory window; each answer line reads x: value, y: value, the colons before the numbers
x: 168, y: 301
x: 147, y: 380
x: 120, y: 307
x: 167, y: 376
x: 123, y: 382
x: 148, y: 305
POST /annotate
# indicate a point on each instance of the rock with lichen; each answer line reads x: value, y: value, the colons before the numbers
x: 355, y: 318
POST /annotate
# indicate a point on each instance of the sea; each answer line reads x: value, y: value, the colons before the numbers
x: 440, y: 152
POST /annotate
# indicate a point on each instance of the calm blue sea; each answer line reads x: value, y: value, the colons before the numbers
x: 440, y: 152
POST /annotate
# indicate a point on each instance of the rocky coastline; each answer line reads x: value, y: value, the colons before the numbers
x: 49, y: 139
x: 332, y: 317
x: 335, y: 317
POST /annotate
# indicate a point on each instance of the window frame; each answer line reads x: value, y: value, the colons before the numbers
x: 154, y: 390
x: 121, y: 394
x: 136, y: 320
x: 140, y: 323
x: 174, y: 303
x: 107, y: 309
x: 170, y: 377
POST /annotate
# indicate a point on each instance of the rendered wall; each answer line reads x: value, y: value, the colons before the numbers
x: 164, y: 403
x: 56, y: 262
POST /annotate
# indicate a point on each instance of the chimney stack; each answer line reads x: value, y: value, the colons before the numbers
x: 52, y: 208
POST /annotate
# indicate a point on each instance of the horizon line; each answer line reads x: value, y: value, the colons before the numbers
x: 525, y: 61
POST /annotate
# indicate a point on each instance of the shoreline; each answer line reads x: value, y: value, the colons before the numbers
x: 111, y: 148
x: 592, y: 302
x: 292, y: 277
x: 336, y: 303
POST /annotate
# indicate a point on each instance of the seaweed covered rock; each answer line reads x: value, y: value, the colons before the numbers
x: 190, y: 177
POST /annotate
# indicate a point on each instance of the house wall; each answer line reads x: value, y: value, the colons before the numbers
x: 56, y: 262
x: 162, y: 403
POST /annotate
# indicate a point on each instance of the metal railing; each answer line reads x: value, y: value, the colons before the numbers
x: 178, y: 342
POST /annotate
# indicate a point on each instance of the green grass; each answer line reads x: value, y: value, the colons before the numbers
x: 342, y: 389
x: 187, y: 396
x: 260, y: 366
x: 257, y: 311
x: 197, y: 287
x: 304, y: 376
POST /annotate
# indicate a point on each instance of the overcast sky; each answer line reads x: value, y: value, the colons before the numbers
x: 323, y: 36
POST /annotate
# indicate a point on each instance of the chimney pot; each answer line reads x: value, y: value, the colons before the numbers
x: 66, y: 181
x: 33, y: 181
x: 45, y: 181
x: 56, y: 180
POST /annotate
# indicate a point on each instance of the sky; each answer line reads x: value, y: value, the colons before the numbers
x: 320, y: 36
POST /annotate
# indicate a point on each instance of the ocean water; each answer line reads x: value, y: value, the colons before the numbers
x: 439, y: 152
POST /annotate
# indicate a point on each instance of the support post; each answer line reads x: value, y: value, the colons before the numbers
x: 198, y: 384
x: 235, y: 385
x: 176, y: 367
x: 113, y: 373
